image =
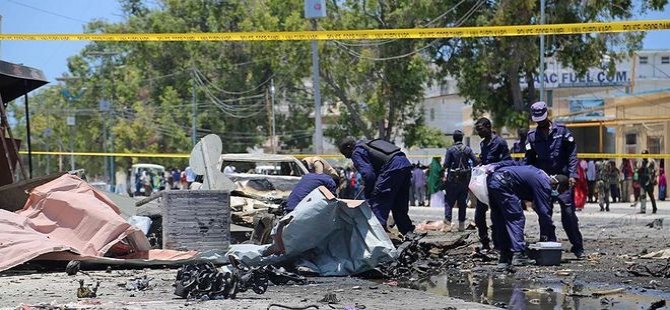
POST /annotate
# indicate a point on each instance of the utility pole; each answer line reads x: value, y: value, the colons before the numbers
x: 193, y: 111
x: 274, y: 137
x: 70, y: 120
x: 105, y: 106
x: 542, y: 21
x: 316, y: 9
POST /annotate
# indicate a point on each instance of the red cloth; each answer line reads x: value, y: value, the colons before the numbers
x: 581, y: 188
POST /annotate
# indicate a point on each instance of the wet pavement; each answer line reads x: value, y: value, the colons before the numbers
x: 507, y: 291
x: 614, y: 241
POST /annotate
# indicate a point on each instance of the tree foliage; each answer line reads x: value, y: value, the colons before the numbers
x: 491, y: 72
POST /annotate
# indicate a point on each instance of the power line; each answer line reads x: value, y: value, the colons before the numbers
x: 393, y: 40
x: 458, y: 23
x: 48, y: 12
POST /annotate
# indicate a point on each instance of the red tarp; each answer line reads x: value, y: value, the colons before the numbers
x: 71, y: 220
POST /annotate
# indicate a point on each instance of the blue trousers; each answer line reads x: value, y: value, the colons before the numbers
x: 507, y: 217
x: 480, y: 222
x: 455, y: 193
x: 391, y: 194
x: 570, y: 221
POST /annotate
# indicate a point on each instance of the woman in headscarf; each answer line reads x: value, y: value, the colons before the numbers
x: 435, y: 183
x: 582, y: 187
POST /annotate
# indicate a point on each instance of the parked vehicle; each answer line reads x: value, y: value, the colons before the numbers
x: 149, y: 181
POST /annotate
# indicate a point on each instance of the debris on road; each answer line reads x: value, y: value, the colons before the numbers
x: 139, y: 284
x: 87, y: 291
x: 608, y: 292
x: 651, y: 269
x: 657, y: 223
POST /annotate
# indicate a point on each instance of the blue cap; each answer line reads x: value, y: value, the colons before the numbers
x: 538, y: 111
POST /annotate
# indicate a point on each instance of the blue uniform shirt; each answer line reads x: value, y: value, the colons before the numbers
x: 522, y: 179
x: 306, y: 185
x: 454, y: 157
x: 363, y: 164
x: 555, y: 154
x: 494, y: 150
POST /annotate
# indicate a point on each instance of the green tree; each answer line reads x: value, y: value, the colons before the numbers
x: 490, y: 71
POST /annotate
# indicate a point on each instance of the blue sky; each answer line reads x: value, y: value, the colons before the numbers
x: 69, y: 16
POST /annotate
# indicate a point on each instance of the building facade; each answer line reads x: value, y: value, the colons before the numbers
x: 625, y: 111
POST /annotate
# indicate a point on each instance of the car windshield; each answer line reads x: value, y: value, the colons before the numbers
x: 280, y: 168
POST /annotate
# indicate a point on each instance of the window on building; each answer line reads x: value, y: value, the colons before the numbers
x: 644, y: 60
x: 654, y: 145
x: 631, y: 143
x: 550, y: 98
x: 432, y: 114
x: 665, y: 60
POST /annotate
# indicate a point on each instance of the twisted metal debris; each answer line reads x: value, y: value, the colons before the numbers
x: 204, y: 281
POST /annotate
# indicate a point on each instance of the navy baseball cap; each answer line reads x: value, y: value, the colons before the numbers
x: 458, y: 132
x: 538, y: 111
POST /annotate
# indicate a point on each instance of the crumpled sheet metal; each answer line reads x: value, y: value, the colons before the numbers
x: 329, y: 236
x: 68, y: 219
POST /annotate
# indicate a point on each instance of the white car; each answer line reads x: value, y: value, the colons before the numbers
x: 264, y: 172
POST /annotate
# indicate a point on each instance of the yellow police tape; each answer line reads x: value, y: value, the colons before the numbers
x: 414, y: 33
x: 329, y: 156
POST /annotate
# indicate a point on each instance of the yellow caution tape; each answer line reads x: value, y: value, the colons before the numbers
x: 331, y: 156
x: 154, y: 155
x: 414, y: 33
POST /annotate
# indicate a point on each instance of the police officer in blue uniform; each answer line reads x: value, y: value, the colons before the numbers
x: 386, y: 176
x: 306, y: 185
x: 458, y: 162
x: 519, y: 147
x: 493, y: 149
x: 551, y: 147
x: 509, y: 184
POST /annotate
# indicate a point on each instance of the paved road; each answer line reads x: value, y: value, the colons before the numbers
x: 621, y: 222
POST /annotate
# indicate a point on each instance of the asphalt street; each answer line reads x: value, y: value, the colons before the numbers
x: 593, y: 223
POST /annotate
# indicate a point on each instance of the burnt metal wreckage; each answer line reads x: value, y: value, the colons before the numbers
x: 204, y: 281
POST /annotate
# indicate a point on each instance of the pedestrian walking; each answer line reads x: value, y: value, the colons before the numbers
x: 613, y: 178
x: 662, y: 185
x: 493, y: 149
x: 602, y: 176
x: 627, y: 184
x: 591, y: 180
x: 419, y: 178
x: 386, y: 174
x: 646, y: 171
x: 435, y: 183
x: 551, y: 147
x: 581, y: 188
x: 458, y: 162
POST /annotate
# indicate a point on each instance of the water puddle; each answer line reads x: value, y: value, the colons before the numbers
x: 507, y: 292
